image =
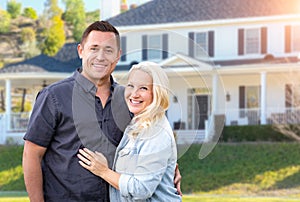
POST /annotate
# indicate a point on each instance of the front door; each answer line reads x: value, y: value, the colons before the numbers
x: 201, y: 111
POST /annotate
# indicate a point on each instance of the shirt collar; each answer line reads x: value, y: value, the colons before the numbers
x: 89, y: 86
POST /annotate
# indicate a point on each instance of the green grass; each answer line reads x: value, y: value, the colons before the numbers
x: 232, y: 172
x: 11, y: 173
x: 265, y: 169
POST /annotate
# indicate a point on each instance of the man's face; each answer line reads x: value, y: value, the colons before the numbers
x: 100, y: 55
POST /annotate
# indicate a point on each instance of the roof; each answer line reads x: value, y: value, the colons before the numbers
x: 66, y: 60
x: 174, y: 11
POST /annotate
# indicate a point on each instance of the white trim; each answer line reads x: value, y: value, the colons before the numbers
x: 263, y: 101
x: 34, y: 75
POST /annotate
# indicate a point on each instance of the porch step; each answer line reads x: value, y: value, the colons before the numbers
x: 189, y: 136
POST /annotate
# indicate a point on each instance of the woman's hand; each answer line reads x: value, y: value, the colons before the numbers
x: 177, y: 180
x: 93, y: 161
x: 97, y: 164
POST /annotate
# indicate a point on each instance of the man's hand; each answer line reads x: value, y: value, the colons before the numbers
x: 177, y: 180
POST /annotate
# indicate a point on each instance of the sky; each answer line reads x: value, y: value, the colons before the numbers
x: 38, y: 5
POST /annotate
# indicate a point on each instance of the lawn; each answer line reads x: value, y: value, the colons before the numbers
x: 247, y: 169
x: 193, y: 198
x: 232, y: 172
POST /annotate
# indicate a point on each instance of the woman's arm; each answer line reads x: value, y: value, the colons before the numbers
x: 97, y: 164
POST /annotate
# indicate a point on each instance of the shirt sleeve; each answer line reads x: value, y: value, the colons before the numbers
x: 146, y: 173
x: 42, y: 122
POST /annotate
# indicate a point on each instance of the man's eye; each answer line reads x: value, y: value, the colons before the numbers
x: 129, y: 85
x: 108, y: 50
x: 93, y: 49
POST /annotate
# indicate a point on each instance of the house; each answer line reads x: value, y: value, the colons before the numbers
x: 229, y: 62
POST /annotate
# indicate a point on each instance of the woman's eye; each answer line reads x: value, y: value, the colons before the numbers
x: 129, y: 85
x: 144, y: 88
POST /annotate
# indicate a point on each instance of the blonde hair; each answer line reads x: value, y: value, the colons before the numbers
x: 160, y: 103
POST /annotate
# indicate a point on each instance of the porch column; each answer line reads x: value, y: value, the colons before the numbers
x: 215, y: 93
x: 8, y: 103
x: 263, y: 101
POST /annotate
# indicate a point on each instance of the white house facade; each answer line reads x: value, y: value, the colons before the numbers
x: 230, y: 62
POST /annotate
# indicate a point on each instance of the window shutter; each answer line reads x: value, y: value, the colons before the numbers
x: 242, y: 101
x: 191, y: 44
x: 211, y: 36
x: 144, y: 47
x: 123, y: 48
x: 241, y: 42
x: 288, y: 39
x: 165, y: 46
x: 263, y: 40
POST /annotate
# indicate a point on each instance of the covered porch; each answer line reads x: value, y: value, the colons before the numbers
x: 20, y: 89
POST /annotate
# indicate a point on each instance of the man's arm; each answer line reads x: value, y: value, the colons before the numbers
x: 32, y: 157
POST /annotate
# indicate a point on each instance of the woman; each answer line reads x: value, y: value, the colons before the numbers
x: 145, y: 159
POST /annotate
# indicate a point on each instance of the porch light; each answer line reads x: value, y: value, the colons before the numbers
x: 175, y: 99
x: 227, y: 97
x: 44, y: 84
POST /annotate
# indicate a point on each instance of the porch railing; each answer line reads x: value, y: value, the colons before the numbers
x: 253, y: 116
x: 18, y: 121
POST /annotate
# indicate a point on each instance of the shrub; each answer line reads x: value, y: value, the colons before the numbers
x: 252, y: 133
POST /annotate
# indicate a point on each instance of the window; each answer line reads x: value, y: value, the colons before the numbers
x: 249, y: 97
x: 252, y: 97
x: 249, y: 103
x: 296, y: 38
x: 252, y: 41
x: 155, y: 47
x: 201, y: 44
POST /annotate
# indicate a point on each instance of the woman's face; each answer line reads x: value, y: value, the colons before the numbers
x: 138, y: 92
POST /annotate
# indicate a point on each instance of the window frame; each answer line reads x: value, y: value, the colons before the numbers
x: 154, y: 52
x: 252, y: 43
x: 201, y: 47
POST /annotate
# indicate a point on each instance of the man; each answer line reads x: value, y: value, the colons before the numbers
x: 85, y: 110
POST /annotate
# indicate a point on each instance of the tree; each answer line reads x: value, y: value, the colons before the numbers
x: 30, y: 13
x: 55, y: 37
x: 28, y: 39
x: 5, y: 20
x: 53, y: 33
x: 14, y: 8
x: 92, y: 16
x: 75, y: 16
x: 52, y: 9
x: 27, y: 35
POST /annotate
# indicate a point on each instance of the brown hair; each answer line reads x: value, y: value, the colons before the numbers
x: 102, y: 26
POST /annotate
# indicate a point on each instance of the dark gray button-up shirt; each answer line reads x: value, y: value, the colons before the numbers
x: 68, y: 116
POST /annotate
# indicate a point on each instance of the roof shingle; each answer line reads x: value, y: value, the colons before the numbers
x: 174, y: 11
